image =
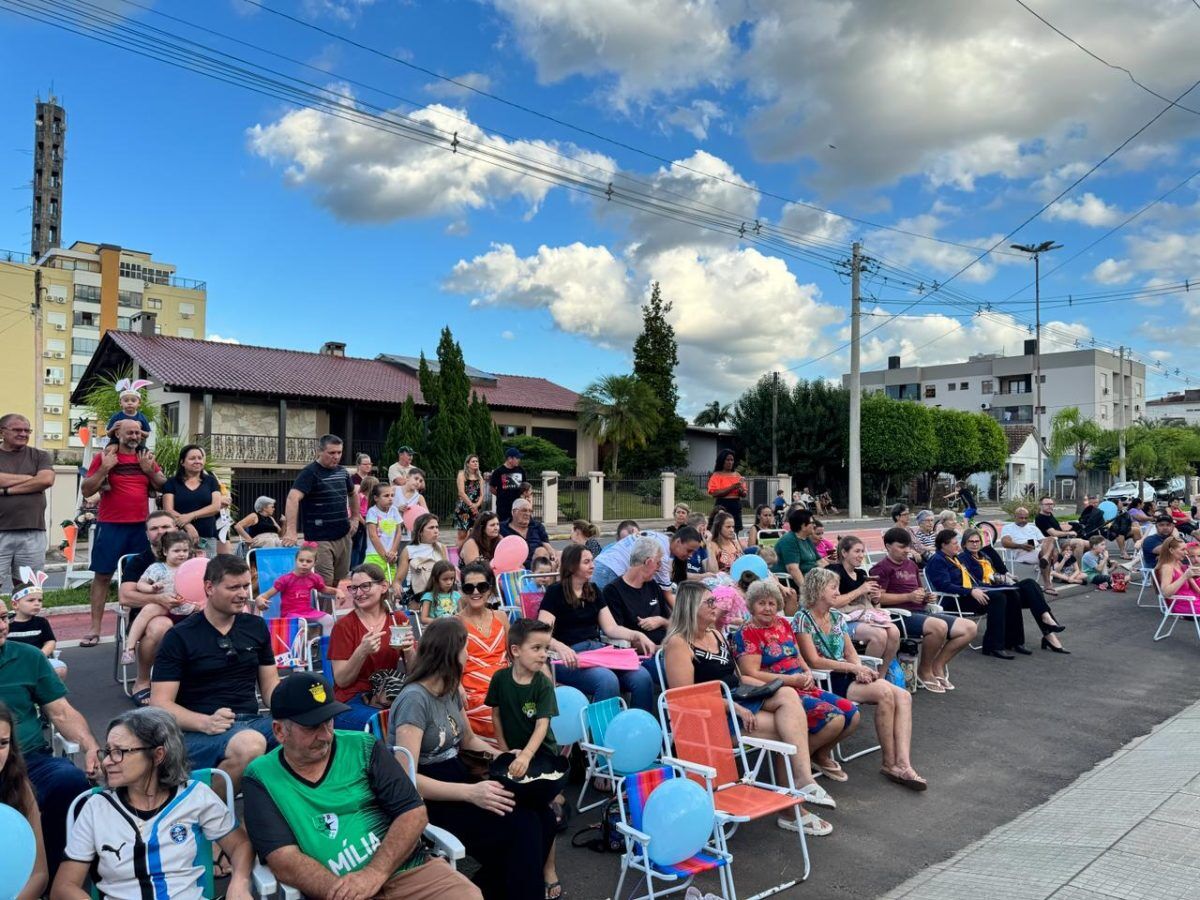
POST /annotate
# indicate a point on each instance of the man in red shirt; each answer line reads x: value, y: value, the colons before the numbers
x: 942, y: 636
x: 129, y: 472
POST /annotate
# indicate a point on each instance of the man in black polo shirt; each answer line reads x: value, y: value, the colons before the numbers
x: 323, y: 492
x: 133, y: 598
x: 207, y: 669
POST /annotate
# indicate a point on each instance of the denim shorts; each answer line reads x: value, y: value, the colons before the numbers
x: 112, y: 540
x: 205, y: 751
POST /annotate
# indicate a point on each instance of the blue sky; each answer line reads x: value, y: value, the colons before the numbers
x: 934, y: 117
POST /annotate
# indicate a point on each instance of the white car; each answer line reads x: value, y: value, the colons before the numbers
x: 1127, y: 490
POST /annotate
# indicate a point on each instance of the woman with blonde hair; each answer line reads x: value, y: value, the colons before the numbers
x: 821, y: 635
x: 695, y: 651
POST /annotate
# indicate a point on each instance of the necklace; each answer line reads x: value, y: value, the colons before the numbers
x: 482, y: 623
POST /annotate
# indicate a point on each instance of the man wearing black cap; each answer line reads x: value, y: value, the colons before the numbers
x: 506, y: 483
x: 333, y: 813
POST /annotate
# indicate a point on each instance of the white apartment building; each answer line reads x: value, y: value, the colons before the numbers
x: 1180, y: 407
x: 1003, y: 386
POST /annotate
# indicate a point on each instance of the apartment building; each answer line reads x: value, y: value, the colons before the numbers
x: 80, y: 293
x: 1003, y: 386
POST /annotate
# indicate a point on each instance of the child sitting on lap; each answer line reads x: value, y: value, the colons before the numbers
x: 173, y: 549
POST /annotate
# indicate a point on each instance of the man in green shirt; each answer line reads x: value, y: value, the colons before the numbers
x: 797, y: 554
x: 333, y: 813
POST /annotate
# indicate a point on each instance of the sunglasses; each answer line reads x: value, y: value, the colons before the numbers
x: 226, y: 644
x: 475, y: 587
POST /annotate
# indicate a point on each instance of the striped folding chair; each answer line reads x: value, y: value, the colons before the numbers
x: 520, y: 594
x: 289, y: 643
x: 595, y: 718
x: 633, y: 792
x: 377, y: 725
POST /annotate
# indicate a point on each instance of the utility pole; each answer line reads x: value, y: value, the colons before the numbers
x: 1121, y: 425
x: 1036, y: 252
x: 38, y: 374
x: 855, y: 506
x: 774, y: 422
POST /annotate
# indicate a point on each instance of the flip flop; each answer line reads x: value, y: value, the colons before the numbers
x: 833, y: 772
x: 89, y: 640
x: 550, y: 887
x: 913, y: 784
x: 1051, y: 591
x: 140, y: 698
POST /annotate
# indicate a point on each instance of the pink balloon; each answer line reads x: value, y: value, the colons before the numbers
x: 411, y: 515
x: 189, y: 581
x: 510, y: 555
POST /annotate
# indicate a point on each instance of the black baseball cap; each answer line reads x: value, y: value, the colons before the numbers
x: 306, y: 699
x: 1160, y: 519
x: 512, y: 452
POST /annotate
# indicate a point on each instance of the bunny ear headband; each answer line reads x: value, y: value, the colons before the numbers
x: 131, y: 386
x: 33, y: 583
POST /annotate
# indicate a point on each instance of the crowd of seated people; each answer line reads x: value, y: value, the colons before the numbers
x: 215, y: 697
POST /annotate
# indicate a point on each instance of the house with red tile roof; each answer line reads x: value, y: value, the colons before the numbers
x: 264, y: 407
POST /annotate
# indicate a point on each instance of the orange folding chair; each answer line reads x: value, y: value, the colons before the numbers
x: 708, y: 745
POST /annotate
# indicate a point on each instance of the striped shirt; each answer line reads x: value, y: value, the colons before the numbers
x: 615, y: 557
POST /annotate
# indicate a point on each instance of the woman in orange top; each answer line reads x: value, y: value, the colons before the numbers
x: 486, y: 646
x: 727, y: 487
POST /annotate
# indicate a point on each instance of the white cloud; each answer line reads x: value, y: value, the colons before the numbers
x: 816, y: 224
x: 366, y: 174
x: 696, y: 117
x: 346, y: 11
x: 647, y: 47
x: 507, y: 335
x: 938, y: 258
x: 1113, y: 271
x: 1087, y: 209
x: 222, y: 340
x: 446, y: 90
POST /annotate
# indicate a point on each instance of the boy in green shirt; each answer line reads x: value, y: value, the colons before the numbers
x: 523, y: 703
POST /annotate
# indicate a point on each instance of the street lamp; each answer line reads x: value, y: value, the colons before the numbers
x: 1036, y: 251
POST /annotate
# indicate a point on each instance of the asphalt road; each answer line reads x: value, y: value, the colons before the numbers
x: 1011, y: 735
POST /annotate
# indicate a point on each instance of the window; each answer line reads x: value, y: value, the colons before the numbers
x: 1104, y: 381
x: 170, y: 413
x: 1041, y: 379
x: 89, y: 319
x: 187, y: 333
x: 930, y: 391
x: 152, y: 303
x: 1137, y: 389
x: 57, y: 321
x: 77, y: 372
x: 187, y: 310
x: 52, y: 399
x: 129, y: 298
x: 964, y: 385
x: 124, y: 323
x: 985, y: 386
x: 951, y: 386
x: 903, y: 391
x: 87, y: 292
x: 54, y: 375
x: 84, y: 345
x: 56, y: 344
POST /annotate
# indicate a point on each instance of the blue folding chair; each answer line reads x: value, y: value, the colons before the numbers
x: 268, y: 564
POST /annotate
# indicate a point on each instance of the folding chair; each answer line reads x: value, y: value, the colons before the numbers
x: 595, y: 718
x: 951, y: 606
x: 290, y: 643
x: 701, y: 725
x: 121, y: 671
x: 633, y: 791
x: 824, y: 678
x: 268, y: 564
x: 263, y: 882
x: 769, y: 537
x: 1147, y: 579
x: 520, y: 595
x: 1173, y: 609
x: 377, y: 725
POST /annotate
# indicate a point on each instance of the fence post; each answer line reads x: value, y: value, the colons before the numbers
x: 785, y: 484
x: 596, y: 496
x: 668, y: 495
x: 549, y: 498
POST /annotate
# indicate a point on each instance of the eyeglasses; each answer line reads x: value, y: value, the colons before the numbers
x: 360, y: 588
x: 116, y: 754
x: 475, y: 587
x: 226, y: 644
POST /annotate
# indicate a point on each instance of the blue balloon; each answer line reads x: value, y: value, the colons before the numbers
x: 567, y: 726
x: 679, y: 819
x: 749, y: 562
x: 1109, y: 509
x: 635, y: 738
x: 16, y: 862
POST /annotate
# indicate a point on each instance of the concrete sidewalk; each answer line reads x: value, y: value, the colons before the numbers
x: 1129, y: 828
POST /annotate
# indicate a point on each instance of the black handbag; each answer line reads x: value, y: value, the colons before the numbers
x: 752, y: 692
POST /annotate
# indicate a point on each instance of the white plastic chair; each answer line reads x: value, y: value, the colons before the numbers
x: 824, y: 679
x: 1166, y: 606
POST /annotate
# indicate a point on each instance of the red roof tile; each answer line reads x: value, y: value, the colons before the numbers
x: 241, y: 368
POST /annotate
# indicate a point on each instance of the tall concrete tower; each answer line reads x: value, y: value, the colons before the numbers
x: 49, y: 152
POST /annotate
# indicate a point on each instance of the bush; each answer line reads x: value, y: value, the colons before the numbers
x: 539, y: 455
x: 687, y: 491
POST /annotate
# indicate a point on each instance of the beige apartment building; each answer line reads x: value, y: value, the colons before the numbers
x: 85, y: 291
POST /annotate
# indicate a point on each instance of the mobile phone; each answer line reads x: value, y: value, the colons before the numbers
x: 873, y: 578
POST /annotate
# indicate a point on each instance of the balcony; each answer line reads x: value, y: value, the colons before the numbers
x: 258, y: 448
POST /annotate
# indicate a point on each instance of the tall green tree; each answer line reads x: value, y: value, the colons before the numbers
x: 450, y: 433
x: 1071, y: 432
x: 898, y: 441
x: 485, y: 435
x: 714, y: 414
x: 993, y: 445
x: 406, y: 431
x: 957, y: 441
x: 655, y: 357
x: 621, y: 411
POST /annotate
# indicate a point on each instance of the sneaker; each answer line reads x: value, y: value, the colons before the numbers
x: 816, y: 795
x: 812, y: 824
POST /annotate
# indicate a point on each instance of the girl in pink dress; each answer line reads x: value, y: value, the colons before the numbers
x: 295, y: 591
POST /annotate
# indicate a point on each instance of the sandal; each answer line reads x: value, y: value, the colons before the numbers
x: 832, y: 771
x: 945, y: 682
x: 906, y: 778
x: 933, y: 685
x: 810, y: 822
x: 1050, y: 591
x: 550, y: 890
x: 141, y: 698
x: 89, y: 640
x: 562, y: 815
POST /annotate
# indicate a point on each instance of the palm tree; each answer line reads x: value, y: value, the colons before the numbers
x: 620, y: 410
x: 1070, y: 432
x: 713, y: 414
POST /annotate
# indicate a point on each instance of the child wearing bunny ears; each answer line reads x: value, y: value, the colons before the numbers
x: 27, y: 627
x: 130, y: 393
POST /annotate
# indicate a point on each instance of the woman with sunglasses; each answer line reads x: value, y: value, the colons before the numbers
x: 361, y: 645
x: 143, y: 829
x: 487, y: 630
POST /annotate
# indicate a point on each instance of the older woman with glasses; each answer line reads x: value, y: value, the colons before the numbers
x: 487, y: 646
x: 362, y: 645
x: 143, y: 829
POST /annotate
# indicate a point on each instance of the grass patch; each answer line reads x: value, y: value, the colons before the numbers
x: 63, y: 597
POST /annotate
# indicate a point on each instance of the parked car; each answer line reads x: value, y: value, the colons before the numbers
x: 1167, y: 489
x: 1127, y: 490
